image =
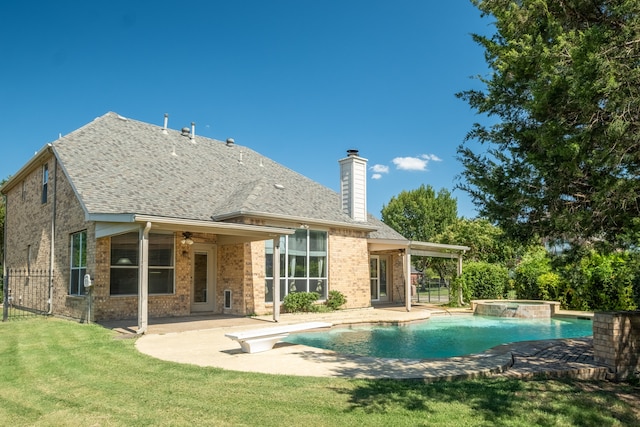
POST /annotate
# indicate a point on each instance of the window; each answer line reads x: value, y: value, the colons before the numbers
x: 303, y: 264
x: 78, y: 251
x: 125, y: 261
x: 45, y: 182
x: 378, y: 277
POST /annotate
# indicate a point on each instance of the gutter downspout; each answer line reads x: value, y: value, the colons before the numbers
x: 53, y: 233
x: 143, y: 281
x: 5, y: 288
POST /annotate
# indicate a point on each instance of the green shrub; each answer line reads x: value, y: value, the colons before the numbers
x: 549, y: 286
x: 598, y: 281
x: 300, y: 301
x: 534, y: 264
x: 482, y: 280
x: 335, y: 300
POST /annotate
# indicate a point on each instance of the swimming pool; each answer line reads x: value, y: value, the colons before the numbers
x: 442, y: 336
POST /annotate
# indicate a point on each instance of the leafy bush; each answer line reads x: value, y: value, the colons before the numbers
x: 482, y: 280
x: 549, y: 286
x: 598, y: 281
x: 335, y: 300
x: 300, y: 301
x: 534, y: 264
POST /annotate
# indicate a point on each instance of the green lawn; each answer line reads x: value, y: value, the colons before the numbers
x: 60, y: 373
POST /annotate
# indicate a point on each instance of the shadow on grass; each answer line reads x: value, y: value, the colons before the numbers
x: 505, y: 402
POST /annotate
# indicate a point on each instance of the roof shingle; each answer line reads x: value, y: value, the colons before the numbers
x: 123, y: 166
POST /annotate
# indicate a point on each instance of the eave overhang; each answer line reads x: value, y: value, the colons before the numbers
x: 297, y: 219
x: 24, y: 171
x: 438, y: 250
x: 227, y: 232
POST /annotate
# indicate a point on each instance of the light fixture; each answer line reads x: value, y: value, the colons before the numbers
x: 186, y: 238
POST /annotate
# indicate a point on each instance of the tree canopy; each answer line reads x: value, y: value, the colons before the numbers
x: 420, y: 214
x: 562, y: 160
x: 486, y: 242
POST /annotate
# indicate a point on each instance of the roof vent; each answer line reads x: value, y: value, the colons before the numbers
x: 193, y: 131
x: 166, y: 123
x: 352, y: 152
x: 230, y: 142
x: 185, y: 131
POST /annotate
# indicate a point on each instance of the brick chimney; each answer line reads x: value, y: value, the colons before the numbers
x: 353, y: 185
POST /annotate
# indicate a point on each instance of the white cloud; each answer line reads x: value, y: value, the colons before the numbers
x: 378, y: 169
x: 415, y: 163
x: 410, y: 163
x: 431, y: 157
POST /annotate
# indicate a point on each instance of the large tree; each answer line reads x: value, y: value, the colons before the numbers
x: 562, y: 159
x: 486, y: 242
x: 421, y: 215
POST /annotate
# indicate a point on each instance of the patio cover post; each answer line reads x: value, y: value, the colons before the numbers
x: 460, y: 299
x: 143, y: 280
x: 276, y: 279
x: 407, y: 278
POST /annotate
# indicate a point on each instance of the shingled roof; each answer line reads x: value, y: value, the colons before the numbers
x: 122, y: 166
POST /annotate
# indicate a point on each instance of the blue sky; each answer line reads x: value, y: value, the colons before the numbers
x: 299, y: 81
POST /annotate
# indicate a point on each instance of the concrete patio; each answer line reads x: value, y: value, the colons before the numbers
x: 200, y: 340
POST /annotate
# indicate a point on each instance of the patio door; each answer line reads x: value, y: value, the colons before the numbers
x: 378, y: 278
x: 203, y: 278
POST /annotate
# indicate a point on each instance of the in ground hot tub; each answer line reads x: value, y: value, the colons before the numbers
x: 526, y: 309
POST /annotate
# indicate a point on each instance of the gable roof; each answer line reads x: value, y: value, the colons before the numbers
x: 122, y: 166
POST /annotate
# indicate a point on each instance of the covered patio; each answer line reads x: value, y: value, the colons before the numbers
x: 414, y: 248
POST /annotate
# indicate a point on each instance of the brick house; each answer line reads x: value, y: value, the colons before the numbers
x: 167, y: 223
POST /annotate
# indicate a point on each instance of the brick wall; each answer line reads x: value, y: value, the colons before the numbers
x: 240, y: 267
x: 397, y: 292
x: 29, y: 233
x: 255, y: 277
x: 69, y: 220
x: 126, y: 307
x: 231, y: 276
x: 348, y: 272
x: 616, y: 342
x: 349, y: 267
x: 28, y: 221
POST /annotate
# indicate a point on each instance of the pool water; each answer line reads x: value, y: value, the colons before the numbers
x: 442, y: 336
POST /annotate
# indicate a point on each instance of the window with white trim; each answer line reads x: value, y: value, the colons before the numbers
x: 125, y: 264
x: 78, y: 262
x: 303, y: 264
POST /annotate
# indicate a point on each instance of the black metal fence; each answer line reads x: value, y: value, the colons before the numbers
x: 25, y: 293
x: 432, y: 290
